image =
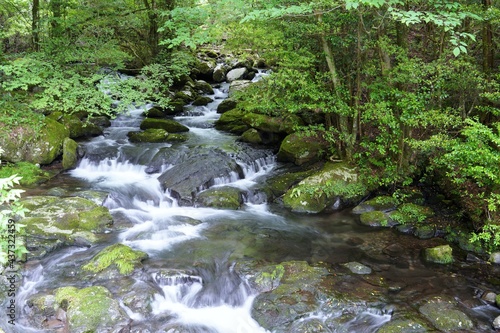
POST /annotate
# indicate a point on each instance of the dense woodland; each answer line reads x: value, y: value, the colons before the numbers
x: 408, y: 91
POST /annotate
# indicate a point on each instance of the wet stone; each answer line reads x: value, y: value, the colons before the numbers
x: 358, y: 268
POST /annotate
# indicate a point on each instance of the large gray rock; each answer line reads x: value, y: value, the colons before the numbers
x: 236, y: 74
x: 198, y: 171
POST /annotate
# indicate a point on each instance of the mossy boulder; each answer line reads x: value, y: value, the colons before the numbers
x: 55, y: 221
x: 78, y: 128
x: 232, y: 121
x: 443, y: 314
x: 168, y: 125
x: 202, y: 100
x: 42, y: 147
x: 383, y: 203
x: 270, y: 124
x: 176, y: 106
x: 155, y: 112
x: 152, y: 135
x: 220, y: 197
x: 70, y: 154
x: 226, y: 105
x: 301, y: 148
x: 90, y: 309
x: 375, y: 219
x: 442, y: 254
x: 187, y: 95
x: 278, y: 185
x: 335, y: 183
x: 219, y: 74
x: 119, y: 257
x: 203, y: 87
x: 251, y: 136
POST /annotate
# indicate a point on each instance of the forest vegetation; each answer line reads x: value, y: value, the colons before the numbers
x: 408, y: 91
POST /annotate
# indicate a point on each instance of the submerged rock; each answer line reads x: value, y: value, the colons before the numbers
x: 440, y: 254
x: 403, y: 326
x: 445, y: 316
x: 358, y: 268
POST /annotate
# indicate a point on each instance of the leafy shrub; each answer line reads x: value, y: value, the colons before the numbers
x: 12, y: 245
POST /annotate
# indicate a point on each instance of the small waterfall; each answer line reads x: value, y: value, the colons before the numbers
x: 216, y: 300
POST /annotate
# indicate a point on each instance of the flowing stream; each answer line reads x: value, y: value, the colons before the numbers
x: 192, y: 250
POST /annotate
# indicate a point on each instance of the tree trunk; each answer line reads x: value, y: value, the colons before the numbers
x: 35, y: 25
x: 488, y: 51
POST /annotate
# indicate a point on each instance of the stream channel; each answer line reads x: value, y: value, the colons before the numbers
x: 200, y: 263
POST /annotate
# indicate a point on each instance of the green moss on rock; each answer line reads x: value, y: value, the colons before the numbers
x: 90, y: 309
x: 42, y: 147
x: 269, y: 124
x: 70, y: 154
x: 403, y: 326
x: 123, y: 257
x: 251, y: 136
x: 445, y: 316
x: 232, y: 121
x: 374, y: 219
x: 69, y: 220
x: 440, y: 254
x: 301, y: 148
x: 335, y: 181
x: 30, y: 173
x: 168, y: 125
x: 220, y: 197
x: 152, y: 135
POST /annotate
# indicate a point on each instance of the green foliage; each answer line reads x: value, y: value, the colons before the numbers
x: 410, y: 213
x: 120, y: 255
x: 187, y: 26
x: 28, y: 173
x: 12, y: 245
x: 489, y: 237
x: 15, y: 113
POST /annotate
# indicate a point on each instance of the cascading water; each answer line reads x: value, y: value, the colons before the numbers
x: 193, y: 283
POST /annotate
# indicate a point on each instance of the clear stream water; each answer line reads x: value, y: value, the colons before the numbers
x: 207, y: 292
